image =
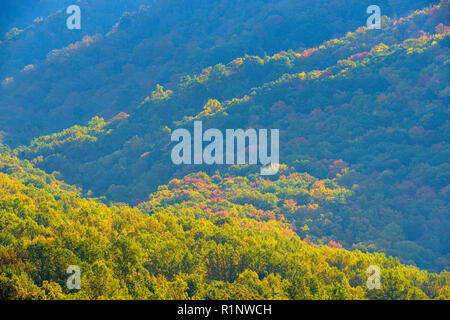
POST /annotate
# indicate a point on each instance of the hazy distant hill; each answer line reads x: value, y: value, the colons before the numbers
x: 54, y: 77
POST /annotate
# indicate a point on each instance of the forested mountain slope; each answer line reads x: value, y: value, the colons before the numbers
x: 23, y: 14
x: 381, y: 131
x: 40, y: 27
x: 53, y: 77
x: 186, y: 242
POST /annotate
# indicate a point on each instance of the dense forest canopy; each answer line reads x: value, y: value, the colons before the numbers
x: 58, y: 77
x: 383, y: 133
x: 86, y: 176
x: 186, y: 242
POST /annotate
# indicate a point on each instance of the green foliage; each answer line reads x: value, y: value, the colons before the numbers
x: 364, y: 122
x: 177, y: 251
x: 380, y: 132
x: 123, y: 51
